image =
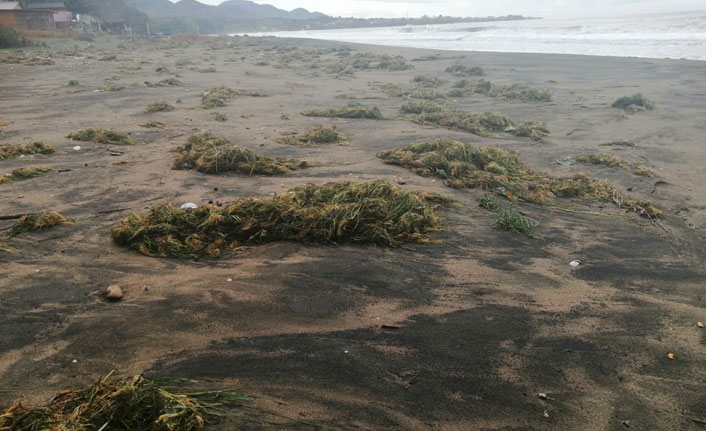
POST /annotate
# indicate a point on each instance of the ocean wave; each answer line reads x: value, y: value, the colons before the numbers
x: 651, y: 36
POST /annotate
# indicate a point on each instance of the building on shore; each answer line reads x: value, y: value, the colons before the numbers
x: 23, y: 19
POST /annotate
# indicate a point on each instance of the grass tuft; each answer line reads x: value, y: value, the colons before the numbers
x: 511, y: 220
x: 374, y: 212
x: 488, y: 201
x: 212, y: 154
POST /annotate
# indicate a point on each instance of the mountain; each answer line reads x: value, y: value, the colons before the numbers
x: 232, y: 10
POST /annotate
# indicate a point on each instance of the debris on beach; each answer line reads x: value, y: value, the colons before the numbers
x: 114, y: 293
x: 316, y: 136
x: 21, y: 174
x: 38, y: 221
x: 373, y: 212
x: 464, y: 165
x: 16, y: 150
x: 212, y: 154
x: 102, y: 136
x: 353, y: 110
x: 134, y: 403
x: 633, y: 104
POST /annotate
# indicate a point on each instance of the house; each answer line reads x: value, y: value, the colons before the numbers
x: 62, y: 16
x: 14, y: 16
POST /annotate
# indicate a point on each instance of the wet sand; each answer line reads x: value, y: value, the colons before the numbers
x: 486, y: 319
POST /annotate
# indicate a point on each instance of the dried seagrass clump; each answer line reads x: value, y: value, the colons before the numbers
x: 212, y: 154
x: 218, y: 97
x: 21, y: 174
x: 501, y: 172
x: 351, y: 111
x: 316, y: 136
x: 635, y: 103
x: 159, y: 106
x: 130, y: 404
x: 102, y: 136
x: 16, y: 150
x: 374, y: 212
x: 484, y: 87
x: 39, y: 221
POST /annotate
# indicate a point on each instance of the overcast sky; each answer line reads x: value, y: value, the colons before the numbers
x: 544, y: 8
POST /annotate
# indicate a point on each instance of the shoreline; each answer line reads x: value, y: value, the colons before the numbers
x: 461, y: 52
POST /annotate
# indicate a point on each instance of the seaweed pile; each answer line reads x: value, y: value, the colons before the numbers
x: 353, y: 110
x: 160, y: 106
x: 218, y: 97
x: 129, y: 404
x: 415, y: 91
x: 461, y: 70
x: 316, y: 136
x: 613, y: 162
x: 501, y: 172
x: 21, y: 174
x: 38, y: 221
x: 169, y: 82
x: 102, y: 136
x: 633, y: 104
x: 509, y: 92
x: 374, y: 212
x: 212, y: 154
x: 15, y: 150
x: 486, y: 124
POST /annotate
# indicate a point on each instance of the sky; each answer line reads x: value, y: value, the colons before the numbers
x: 543, y: 8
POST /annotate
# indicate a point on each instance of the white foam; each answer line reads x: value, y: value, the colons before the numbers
x: 651, y: 36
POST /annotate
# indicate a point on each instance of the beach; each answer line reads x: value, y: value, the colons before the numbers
x: 480, y: 329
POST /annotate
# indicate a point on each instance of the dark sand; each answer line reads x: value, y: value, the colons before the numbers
x: 487, y: 319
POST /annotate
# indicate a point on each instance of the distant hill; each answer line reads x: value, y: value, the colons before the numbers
x: 234, y: 16
x: 233, y: 10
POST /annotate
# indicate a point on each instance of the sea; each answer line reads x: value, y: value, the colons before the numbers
x: 672, y: 35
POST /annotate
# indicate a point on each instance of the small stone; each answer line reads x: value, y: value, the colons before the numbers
x: 700, y: 324
x: 401, y: 182
x: 114, y: 293
x: 626, y: 424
